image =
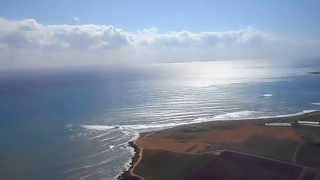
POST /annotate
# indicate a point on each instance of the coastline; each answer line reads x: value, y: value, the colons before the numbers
x: 138, y: 150
x: 128, y: 174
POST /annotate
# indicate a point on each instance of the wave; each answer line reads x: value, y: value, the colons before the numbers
x: 290, y: 115
x: 316, y: 103
x: 244, y: 115
x: 239, y: 115
x: 132, y: 127
x: 97, y: 127
x: 267, y: 95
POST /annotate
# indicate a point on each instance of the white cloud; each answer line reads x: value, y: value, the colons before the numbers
x: 76, y: 19
x: 27, y: 42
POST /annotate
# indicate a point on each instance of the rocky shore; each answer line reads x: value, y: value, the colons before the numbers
x: 127, y: 175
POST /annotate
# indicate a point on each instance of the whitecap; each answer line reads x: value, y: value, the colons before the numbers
x: 97, y: 127
x: 69, y: 126
x: 267, y: 95
x: 134, y: 129
x: 244, y: 115
x: 290, y: 115
x: 237, y: 115
x: 316, y: 103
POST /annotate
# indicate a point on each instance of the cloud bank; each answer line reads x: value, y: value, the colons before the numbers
x: 30, y: 43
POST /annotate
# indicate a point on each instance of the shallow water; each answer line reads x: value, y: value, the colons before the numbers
x: 76, y: 124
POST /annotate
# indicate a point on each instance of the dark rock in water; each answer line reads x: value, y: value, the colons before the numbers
x: 315, y: 72
x: 126, y: 175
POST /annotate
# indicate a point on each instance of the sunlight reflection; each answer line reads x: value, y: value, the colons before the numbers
x: 203, y: 74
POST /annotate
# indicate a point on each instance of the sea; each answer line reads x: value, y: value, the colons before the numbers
x: 75, y: 123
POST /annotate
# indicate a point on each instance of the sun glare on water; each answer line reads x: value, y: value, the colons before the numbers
x: 204, y: 74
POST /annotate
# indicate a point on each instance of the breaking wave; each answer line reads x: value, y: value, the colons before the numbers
x: 239, y: 115
x: 267, y: 95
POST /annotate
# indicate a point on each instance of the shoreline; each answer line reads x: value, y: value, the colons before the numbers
x: 138, y: 151
x: 128, y: 174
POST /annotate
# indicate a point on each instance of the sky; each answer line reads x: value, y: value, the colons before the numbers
x: 99, y: 32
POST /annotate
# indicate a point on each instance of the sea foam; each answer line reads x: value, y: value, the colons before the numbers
x: 267, y: 95
x: 238, y: 115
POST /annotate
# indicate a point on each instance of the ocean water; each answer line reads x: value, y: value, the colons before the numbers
x: 75, y: 124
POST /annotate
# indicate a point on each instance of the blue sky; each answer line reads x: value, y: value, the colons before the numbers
x: 168, y: 27
x: 286, y: 16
